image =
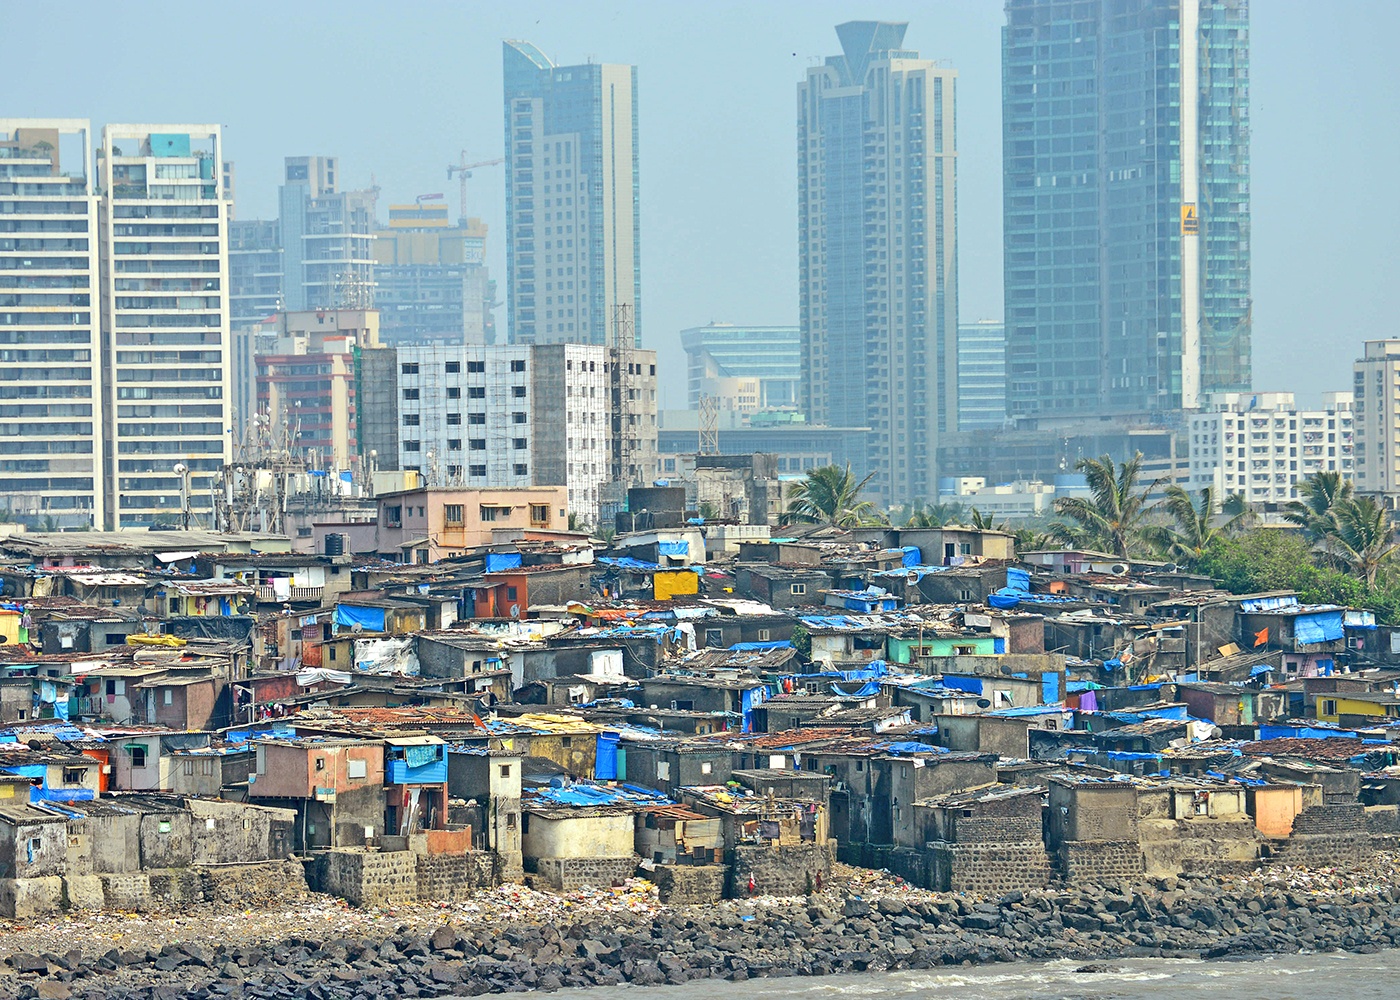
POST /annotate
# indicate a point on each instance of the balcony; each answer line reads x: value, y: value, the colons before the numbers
x: 267, y: 594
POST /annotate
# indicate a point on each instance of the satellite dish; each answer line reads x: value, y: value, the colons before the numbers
x: 357, y: 628
x: 515, y: 611
x: 1119, y: 569
x: 984, y: 703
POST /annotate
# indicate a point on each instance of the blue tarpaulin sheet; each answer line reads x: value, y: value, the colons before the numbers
x: 1050, y: 688
x: 912, y: 555
x: 751, y: 647
x: 497, y: 561
x: 1018, y: 579
x: 972, y: 685
x: 1003, y: 600
x: 605, y: 765
x: 1263, y: 668
x: 369, y: 619
x: 681, y: 548
x: 1318, y: 626
x: 910, y: 746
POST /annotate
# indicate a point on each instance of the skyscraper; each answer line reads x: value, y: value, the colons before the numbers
x: 1126, y: 209
x: 771, y: 356
x: 981, y: 374
x: 327, y: 257
x: 877, y: 231
x: 572, y: 235
x: 163, y: 228
x: 431, y: 284
x: 51, y: 445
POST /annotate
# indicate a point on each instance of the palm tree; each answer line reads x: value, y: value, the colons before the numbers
x: 830, y: 495
x: 1112, y: 515
x: 1196, y: 523
x: 1320, y: 494
x: 985, y: 522
x: 934, y: 515
x: 1364, y: 536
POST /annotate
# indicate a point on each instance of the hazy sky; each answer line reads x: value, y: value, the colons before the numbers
x: 397, y: 90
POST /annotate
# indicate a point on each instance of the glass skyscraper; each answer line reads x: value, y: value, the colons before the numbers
x: 1126, y: 208
x: 573, y: 247
x: 877, y: 236
x: 981, y: 374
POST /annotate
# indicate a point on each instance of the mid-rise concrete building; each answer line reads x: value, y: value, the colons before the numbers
x: 51, y: 372
x: 513, y: 415
x: 573, y: 246
x: 1260, y: 444
x: 877, y: 252
x: 431, y: 281
x: 1376, y: 390
x: 165, y: 322
x: 306, y: 382
x: 327, y: 236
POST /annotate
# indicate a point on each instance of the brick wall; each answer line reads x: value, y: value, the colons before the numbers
x: 569, y: 874
x: 785, y: 871
x: 1093, y: 860
x: 998, y: 829
x: 989, y: 869
x: 454, y: 877
x: 688, y: 884
x: 368, y: 879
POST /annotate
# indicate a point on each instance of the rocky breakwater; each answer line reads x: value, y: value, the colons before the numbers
x: 822, y: 934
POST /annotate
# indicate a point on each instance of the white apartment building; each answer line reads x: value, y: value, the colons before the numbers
x: 164, y: 258
x: 50, y: 378
x: 1377, y: 416
x: 1261, y: 444
x: 514, y: 415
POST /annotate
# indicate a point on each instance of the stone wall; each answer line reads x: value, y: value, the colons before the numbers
x: 368, y: 878
x: 454, y: 877
x: 989, y: 869
x: 159, y: 890
x: 687, y: 884
x: 1094, y: 860
x: 1327, y: 836
x: 790, y: 870
x: 569, y: 874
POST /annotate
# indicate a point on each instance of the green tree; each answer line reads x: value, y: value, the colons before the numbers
x: 985, y: 522
x: 1195, y: 522
x: 921, y: 515
x: 801, y: 640
x: 1363, y: 536
x: 831, y: 495
x: 1114, y: 514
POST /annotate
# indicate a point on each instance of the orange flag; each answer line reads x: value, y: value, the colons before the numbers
x: 1261, y: 637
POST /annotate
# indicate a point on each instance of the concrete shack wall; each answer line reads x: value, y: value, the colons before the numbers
x: 605, y: 836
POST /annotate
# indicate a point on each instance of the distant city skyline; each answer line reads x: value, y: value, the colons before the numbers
x: 718, y: 202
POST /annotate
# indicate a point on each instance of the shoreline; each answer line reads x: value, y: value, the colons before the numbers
x: 512, y: 938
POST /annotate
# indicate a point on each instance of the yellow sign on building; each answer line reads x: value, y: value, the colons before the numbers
x: 1190, y: 223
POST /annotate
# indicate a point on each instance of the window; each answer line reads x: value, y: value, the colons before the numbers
x: 478, y: 471
x: 476, y: 366
x: 798, y: 589
x: 453, y: 419
x: 519, y: 444
x: 1002, y: 699
x: 454, y: 392
x: 517, y: 366
x: 714, y: 638
x: 116, y: 638
x: 539, y: 513
x: 505, y: 770
x: 494, y: 513
x: 189, y: 768
x: 410, y: 394
x: 522, y: 470
x: 74, y: 775
x: 706, y: 767
x: 765, y: 635
x: 566, y: 742
x: 512, y: 594
x: 409, y: 369
x: 510, y: 821
x: 167, y: 696
x: 477, y: 444
x: 453, y: 367
x: 517, y: 418
x: 138, y: 755
x: 517, y: 391
x: 356, y: 769
x: 452, y: 514
x: 476, y: 418
x: 320, y: 763
x: 476, y: 392
x: 1329, y: 707
x: 454, y: 444
x: 412, y: 446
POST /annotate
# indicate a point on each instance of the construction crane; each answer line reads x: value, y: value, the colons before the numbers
x: 464, y: 169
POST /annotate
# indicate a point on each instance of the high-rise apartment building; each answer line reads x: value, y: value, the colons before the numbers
x: 1260, y: 444
x: 769, y: 356
x: 981, y: 374
x: 431, y: 282
x: 1376, y: 388
x: 1126, y: 207
x: 877, y: 235
x: 51, y: 375
x: 255, y: 270
x: 165, y: 321
x: 513, y: 415
x: 573, y: 247
x: 327, y: 236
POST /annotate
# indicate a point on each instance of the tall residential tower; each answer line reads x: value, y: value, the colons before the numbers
x: 573, y: 252
x: 1126, y: 204
x: 877, y: 231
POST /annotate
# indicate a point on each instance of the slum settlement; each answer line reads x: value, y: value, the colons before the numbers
x: 721, y: 711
